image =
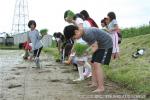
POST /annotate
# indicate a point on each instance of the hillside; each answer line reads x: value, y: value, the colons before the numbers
x: 130, y: 72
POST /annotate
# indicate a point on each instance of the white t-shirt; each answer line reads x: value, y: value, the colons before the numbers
x: 112, y: 24
x: 86, y: 24
x: 78, y: 21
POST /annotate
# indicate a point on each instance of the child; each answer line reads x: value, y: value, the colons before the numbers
x: 28, y: 50
x: 77, y: 19
x: 59, y: 40
x: 86, y: 17
x: 82, y: 61
x: 35, y: 38
x: 113, y: 31
x: 66, y: 49
x: 104, y: 24
x: 101, y: 44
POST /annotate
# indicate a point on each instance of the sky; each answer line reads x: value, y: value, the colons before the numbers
x: 50, y: 13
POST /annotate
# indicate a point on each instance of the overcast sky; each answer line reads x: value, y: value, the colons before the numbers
x: 49, y: 13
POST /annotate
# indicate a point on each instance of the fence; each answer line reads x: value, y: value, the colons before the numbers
x: 2, y: 40
x: 8, y: 41
x: 20, y: 38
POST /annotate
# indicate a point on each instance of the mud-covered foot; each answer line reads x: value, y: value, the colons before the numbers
x: 99, y: 90
x: 37, y: 63
x: 92, y: 85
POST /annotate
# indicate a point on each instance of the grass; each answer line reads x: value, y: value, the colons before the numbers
x: 52, y: 51
x: 135, y: 31
x: 130, y: 72
x: 4, y: 47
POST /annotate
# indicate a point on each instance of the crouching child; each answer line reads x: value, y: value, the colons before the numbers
x: 84, y: 68
x: 101, y: 44
x: 27, y: 47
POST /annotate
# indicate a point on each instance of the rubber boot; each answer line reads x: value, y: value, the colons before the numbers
x: 88, y: 70
x: 81, y: 76
x: 37, y: 62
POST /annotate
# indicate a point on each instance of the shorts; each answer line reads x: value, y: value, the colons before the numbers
x: 37, y: 52
x: 102, y: 56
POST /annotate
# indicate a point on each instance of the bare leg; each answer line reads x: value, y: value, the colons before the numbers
x: 99, y: 77
x: 117, y: 55
x: 94, y: 83
x: 113, y: 56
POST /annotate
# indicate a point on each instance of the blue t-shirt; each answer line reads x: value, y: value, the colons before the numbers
x: 92, y: 35
x: 35, y: 38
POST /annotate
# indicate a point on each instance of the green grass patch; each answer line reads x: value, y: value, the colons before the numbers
x: 4, y: 47
x: 130, y: 72
x: 53, y: 45
x: 135, y: 31
x: 53, y: 51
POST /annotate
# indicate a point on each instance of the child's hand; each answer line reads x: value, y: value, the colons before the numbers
x: 72, y: 54
x: 94, y: 47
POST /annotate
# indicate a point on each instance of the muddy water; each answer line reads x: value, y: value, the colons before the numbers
x: 20, y: 80
x: 10, y: 57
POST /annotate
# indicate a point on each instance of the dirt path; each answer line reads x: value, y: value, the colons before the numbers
x: 20, y: 80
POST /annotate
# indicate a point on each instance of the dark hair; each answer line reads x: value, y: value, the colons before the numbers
x: 104, y: 21
x: 58, y: 35
x: 78, y: 15
x: 85, y: 14
x: 31, y: 22
x: 69, y: 31
x: 21, y: 45
x: 111, y: 15
x: 54, y: 35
